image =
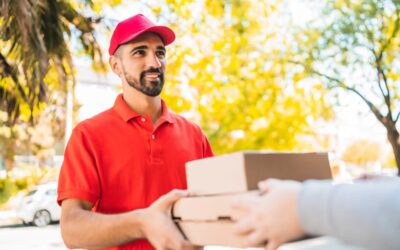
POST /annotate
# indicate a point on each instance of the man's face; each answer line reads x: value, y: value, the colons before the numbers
x: 143, y: 63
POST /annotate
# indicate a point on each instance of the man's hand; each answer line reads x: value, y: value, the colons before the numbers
x: 272, y: 218
x: 158, y: 227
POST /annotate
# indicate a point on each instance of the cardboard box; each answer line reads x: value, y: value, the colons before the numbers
x: 207, y: 220
x: 208, y: 208
x: 241, y: 171
x: 212, y: 233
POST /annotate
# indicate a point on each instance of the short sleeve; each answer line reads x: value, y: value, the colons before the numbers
x: 79, y: 178
x: 207, y: 151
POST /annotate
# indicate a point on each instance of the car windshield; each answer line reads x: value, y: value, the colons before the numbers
x: 51, y: 192
x: 31, y: 193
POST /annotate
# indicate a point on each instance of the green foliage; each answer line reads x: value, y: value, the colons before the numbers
x: 350, y: 42
x: 36, y: 70
x: 355, y: 46
x: 8, y: 188
x: 23, y: 178
x: 34, y: 37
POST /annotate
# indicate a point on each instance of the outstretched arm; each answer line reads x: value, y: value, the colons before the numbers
x: 365, y: 213
x: 82, y: 228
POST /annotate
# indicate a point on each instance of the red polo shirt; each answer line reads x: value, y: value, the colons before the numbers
x: 119, y: 161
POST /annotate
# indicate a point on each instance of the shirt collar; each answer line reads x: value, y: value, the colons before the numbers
x: 126, y: 113
x: 166, y: 115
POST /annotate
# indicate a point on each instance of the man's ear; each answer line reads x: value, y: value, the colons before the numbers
x: 115, y: 64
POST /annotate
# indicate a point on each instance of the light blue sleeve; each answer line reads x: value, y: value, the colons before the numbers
x: 364, y: 214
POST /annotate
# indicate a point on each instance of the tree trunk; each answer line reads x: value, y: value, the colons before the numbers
x: 9, y: 166
x: 393, y: 137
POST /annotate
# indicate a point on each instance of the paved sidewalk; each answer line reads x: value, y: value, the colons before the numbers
x: 9, y: 217
x: 49, y: 238
x: 19, y: 237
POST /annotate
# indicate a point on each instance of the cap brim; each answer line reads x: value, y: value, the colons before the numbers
x: 166, y: 34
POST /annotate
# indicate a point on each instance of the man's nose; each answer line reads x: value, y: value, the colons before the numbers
x: 153, y: 61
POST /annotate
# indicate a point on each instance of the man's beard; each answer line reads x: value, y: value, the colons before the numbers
x: 149, y: 88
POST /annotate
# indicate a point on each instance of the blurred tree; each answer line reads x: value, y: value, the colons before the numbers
x: 36, y: 68
x: 229, y: 70
x: 389, y: 161
x: 355, y: 46
x: 362, y: 153
x: 34, y: 35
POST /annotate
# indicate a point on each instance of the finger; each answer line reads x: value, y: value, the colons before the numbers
x: 182, y: 244
x: 243, y: 227
x: 256, y: 238
x: 189, y: 246
x: 272, y: 245
x: 239, y: 204
x: 168, y: 199
x: 244, y: 203
x: 266, y: 185
x: 238, y: 210
x: 192, y: 193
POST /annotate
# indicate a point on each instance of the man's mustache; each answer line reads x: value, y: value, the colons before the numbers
x: 151, y: 70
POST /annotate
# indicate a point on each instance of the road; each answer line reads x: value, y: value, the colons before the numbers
x: 20, y: 237
x: 15, y: 236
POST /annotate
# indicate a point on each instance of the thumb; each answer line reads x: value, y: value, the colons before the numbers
x: 166, y: 201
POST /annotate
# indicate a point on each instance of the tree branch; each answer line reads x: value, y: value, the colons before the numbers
x: 397, y: 118
x: 341, y: 84
x: 380, y: 71
x: 381, y: 74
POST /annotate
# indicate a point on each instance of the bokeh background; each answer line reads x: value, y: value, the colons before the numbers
x: 277, y: 75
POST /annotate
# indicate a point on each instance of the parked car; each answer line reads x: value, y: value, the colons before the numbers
x: 39, y: 206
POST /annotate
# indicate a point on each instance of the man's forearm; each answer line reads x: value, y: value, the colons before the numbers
x: 86, y: 229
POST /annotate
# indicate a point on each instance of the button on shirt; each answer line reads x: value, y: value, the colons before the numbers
x: 119, y: 161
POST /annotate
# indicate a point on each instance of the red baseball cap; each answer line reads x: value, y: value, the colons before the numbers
x: 133, y: 27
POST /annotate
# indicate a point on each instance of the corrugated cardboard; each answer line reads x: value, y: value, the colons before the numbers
x: 207, y: 220
x: 241, y: 171
x: 217, y: 233
x: 208, y: 208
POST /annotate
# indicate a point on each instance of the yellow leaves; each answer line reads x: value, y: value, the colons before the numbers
x: 215, y: 8
x: 395, y: 76
x: 259, y: 123
x: 4, y: 131
x: 156, y: 10
x: 229, y: 71
x: 362, y: 152
x: 231, y: 94
x: 98, y: 5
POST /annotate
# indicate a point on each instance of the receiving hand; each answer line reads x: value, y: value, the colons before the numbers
x: 272, y: 218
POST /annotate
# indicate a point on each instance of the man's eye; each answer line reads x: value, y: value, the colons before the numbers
x: 140, y: 52
x: 160, y: 54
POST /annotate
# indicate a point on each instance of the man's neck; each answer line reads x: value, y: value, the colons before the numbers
x: 144, y: 105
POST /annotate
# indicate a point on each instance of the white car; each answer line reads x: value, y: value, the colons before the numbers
x: 39, y: 206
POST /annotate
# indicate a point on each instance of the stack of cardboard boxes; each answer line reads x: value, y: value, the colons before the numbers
x: 205, y: 219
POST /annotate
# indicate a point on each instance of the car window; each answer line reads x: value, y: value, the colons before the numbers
x: 51, y: 192
x: 31, y: 193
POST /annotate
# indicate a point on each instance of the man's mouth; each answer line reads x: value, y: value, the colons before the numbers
x: 152, y: 75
